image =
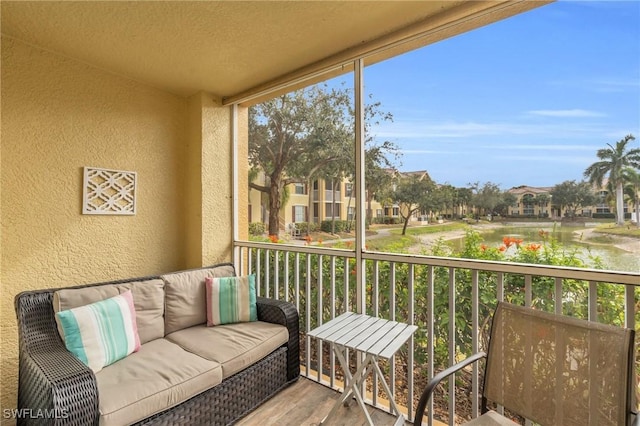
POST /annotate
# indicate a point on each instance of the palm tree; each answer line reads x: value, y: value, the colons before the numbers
x: 632, y: 189
x: 612, y: 161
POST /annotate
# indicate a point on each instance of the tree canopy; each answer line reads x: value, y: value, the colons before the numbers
x: 309, y: 134
x: 573, y: 195
x: 415, y: 193
x: 613, y: 160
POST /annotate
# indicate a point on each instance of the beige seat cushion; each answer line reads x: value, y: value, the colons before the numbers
x: 235, y: 346
x: 148, y: 300
x: 491, y: 418
x: 73, y: 297
x: 185, y: 301
x: 159, y: 376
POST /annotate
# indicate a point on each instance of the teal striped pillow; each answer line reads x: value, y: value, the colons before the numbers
x: 101, y: 333
x: 231, y: 299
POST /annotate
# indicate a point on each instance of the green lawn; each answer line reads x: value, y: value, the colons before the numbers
x: 431, y: 229
x: 628, y: 230
x: 393, y: 243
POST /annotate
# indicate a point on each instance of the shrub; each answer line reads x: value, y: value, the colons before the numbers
x: 302, y: 226
x: 340, y: 226
x: 257, y: 228
x: 603, y: 216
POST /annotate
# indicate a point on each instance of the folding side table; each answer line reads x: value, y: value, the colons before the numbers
x: 374, y: 337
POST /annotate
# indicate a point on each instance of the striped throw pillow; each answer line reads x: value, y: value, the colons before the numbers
x: 101, y: 333
x: 231, y: 299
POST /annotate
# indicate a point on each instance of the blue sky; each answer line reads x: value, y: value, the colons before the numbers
x: 525, y: 101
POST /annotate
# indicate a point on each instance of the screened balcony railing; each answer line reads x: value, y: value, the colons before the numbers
x: 450, y: 300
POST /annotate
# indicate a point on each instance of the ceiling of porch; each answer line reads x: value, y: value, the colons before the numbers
x: 231, y: 48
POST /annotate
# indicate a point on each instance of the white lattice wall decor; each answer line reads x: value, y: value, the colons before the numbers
x: 109, y: 192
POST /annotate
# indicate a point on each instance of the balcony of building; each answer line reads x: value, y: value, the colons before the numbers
x: 449, y: 300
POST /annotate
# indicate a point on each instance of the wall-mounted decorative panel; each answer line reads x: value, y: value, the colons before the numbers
x: 109, y: 192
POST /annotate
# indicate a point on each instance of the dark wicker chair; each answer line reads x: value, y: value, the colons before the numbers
x: 55, y: 383
x: 553, y: 370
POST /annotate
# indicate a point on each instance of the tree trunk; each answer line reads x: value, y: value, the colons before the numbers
x: 406, y: 223
x: 309, y: 204
x: 275, y: 201
x: 619, y: 204
x: 637, y: 211
x: 333, y: 206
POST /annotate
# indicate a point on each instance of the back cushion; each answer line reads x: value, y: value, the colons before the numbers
x: 148, y: 300
x: 185, y: 297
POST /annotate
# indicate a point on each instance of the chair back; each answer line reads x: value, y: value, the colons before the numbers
x: 558, y: 370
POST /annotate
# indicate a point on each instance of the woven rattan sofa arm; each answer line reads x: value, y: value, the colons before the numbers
x: 433, y: 383
x: 284, y: 313
x: 57, y: 389
x: 54, y: 387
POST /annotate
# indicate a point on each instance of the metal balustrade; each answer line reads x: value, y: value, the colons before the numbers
x: 449, y: 299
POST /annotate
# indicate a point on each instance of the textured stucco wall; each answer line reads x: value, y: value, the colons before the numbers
x: 193, y: 188
x: 217, y: 211
x: 60, y: 115
x: 243, y: 173
x: 208, y: 202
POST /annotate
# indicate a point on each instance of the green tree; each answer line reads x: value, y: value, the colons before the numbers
x: 613, y: 160
x: 572, y: 195
x: 295, y: 137
x: 462, y: 199
x: 486, y: 197
x: 632, y: 189
x: 505, y: 201
x: 542, y: 201
x: 412, y: 194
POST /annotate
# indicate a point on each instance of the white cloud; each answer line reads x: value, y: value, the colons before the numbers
x: 544, y: 159
x: 544, y: 147
x: 564, y: 113
x: 426, y: 130
x: 427, y: 151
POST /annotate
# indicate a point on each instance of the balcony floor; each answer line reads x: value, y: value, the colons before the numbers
x: 307, y: 403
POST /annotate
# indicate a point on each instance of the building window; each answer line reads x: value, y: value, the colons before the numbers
x: 396, y: 211
x: 336, y: 212
x: 379, y: 213
x: 348, y: 189
x: 300, y: 189
x: 299, y: 214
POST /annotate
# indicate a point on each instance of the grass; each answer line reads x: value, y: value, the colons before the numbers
x: 392, y: 243
x: 628, y: 230
x: 432, y: 229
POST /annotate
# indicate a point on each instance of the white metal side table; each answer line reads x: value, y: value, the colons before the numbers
x: 374, y: 337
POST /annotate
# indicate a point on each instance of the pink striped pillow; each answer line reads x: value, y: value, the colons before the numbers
x: 231, y: 299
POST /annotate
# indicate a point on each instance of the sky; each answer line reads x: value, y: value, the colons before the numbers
x: 525, y: 101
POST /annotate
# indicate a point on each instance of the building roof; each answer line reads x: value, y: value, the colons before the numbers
x: 525, y: 189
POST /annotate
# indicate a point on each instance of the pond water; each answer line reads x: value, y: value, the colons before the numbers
x: 572, y: 238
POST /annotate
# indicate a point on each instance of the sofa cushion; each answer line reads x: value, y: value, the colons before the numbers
x: 231, y: 299
x: 185, y: 301
x: 159, y: 376
x: 70, y: 298
x: 101, y: 333
x: 148, y: 299
x: 235, y: 346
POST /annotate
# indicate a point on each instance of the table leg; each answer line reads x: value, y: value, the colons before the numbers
x: 385, y: 386
x: 352, y: 383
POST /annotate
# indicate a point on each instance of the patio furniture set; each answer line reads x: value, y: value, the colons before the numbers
x: 183, y: 372
x: 194, y: 360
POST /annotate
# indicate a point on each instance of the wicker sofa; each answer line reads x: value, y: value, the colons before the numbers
x: 184, y: 373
